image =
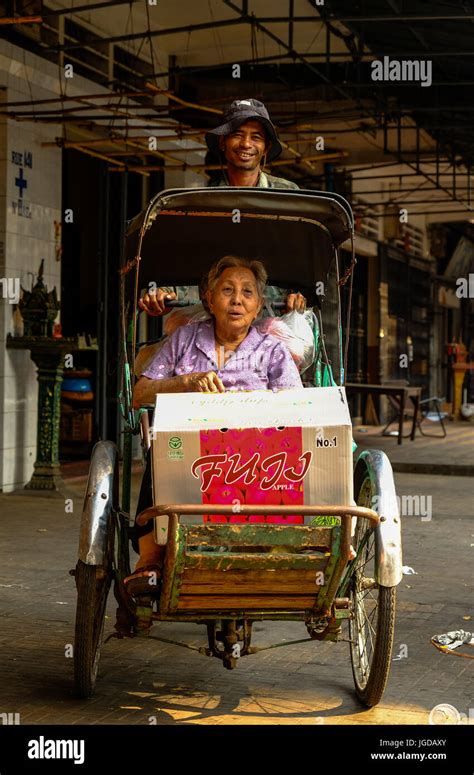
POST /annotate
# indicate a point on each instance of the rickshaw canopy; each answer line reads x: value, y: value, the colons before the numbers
x: 294, y: 232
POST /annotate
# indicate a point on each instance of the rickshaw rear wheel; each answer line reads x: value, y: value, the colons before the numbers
x: 93, y: 584
x: 93, y: 581
x: 371, y: 630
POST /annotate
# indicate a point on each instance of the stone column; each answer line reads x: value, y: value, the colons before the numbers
x: 48, y: 355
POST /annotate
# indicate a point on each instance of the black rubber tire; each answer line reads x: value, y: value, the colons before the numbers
x: 370, y: 686
x: 92, y: 591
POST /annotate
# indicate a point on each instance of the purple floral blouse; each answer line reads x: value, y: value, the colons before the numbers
x: 261, y: 361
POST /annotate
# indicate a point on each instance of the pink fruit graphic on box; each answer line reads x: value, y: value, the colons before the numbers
x: 230, y: 448
x: 208, y: 439
x: 218, y: 448
x: 225, y: 495
x: 255, y: 496
x: 255, y: 447
x: 236, y: 435
x: 288, y: 440
x: 290, y: 497
x: 238, y: 518
x: 259, y: 445
x: 293, y: 497
x: 258, y: 497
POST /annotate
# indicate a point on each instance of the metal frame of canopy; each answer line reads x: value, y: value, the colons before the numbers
x: 255, y: 222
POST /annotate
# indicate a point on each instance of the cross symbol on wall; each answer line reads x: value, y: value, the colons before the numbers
x: 21, y: 182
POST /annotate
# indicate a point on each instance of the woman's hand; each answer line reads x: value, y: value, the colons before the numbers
x: 154, y: 302
x: 203, y: 382
x: 295, y: 301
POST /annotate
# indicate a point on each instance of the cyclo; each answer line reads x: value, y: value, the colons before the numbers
x: 227, y: 576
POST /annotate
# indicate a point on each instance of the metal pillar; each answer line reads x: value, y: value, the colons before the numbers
x: 48, y: 355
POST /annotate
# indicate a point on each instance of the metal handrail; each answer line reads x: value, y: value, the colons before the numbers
x: 199, y: 508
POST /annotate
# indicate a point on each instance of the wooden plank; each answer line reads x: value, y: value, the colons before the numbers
x: 202, y: 582
x: 245, y: 602
x: 205, y: 576
x: 258, y: 535
x: 254, y: 588
x: 242, y: 561
x: 169, y: 563
x: 178, y: 569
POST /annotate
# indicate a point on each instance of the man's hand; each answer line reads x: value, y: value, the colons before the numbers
x: 203, y: 382
x: 295, y: 301
x: 154, y: 302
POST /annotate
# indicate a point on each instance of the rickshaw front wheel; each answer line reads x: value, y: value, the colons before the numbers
x: 371, y: 630
x: 93, y: 585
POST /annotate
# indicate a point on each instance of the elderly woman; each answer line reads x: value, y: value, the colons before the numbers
x: 223, y: 353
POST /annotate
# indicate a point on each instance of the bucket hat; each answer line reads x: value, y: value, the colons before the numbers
x: 239, y: 112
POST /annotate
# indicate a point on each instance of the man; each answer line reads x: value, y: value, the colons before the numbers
x: 244, y: 142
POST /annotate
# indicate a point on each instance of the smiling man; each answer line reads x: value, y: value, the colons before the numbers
x: 245, y: 141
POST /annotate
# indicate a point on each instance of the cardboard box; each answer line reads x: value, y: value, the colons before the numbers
x: 291, y: 446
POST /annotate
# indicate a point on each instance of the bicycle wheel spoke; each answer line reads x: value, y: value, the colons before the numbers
x: 365, y: 600
x: 372, y: 621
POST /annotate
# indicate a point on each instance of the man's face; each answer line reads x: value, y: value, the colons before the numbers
x: 245, y: 147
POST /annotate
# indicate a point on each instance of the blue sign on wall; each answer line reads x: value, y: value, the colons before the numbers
x: 23, y: 160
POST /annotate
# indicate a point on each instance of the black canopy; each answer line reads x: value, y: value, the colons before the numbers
x: 293, y: 232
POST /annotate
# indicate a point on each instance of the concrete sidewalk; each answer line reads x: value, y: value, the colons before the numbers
x: 453, y: 455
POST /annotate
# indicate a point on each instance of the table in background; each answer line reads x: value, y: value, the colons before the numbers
x: 400, y: 393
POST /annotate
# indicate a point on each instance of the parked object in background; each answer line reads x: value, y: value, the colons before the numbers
x: 76, y: 409
x: 467, y: 411
x: 76, y: 424
x: 432, y: 415
x: 399, y: 393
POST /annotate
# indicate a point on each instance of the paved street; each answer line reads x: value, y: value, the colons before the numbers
x: 146, y: 681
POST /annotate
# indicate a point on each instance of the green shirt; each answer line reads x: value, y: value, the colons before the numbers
x: 264, y: 181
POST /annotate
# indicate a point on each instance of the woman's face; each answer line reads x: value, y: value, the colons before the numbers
x: 235, y: 302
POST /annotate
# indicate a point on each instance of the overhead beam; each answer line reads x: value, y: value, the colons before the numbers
x: 446, y: 213
x: 189, y: 28
x: 295, y: 55
x: 405, y: 17
x: 88, y: 8
x: 20, y: 20
x: 225, y: 23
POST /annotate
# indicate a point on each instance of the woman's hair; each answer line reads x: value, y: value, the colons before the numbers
x: 226, y: 262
